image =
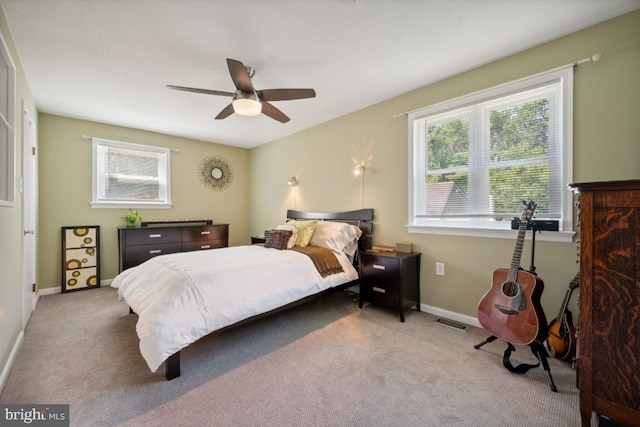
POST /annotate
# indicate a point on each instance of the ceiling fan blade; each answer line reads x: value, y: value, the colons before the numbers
x: 240, y: 76
x: 274, y: 113
x: 205, y: 91
x: 285, y: 94
x: 226, y: 112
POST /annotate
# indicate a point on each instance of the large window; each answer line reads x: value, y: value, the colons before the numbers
x: 130, y: 175
x: 476, y: 158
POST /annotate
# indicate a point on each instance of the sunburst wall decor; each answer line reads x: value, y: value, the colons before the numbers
x: 216, y: 173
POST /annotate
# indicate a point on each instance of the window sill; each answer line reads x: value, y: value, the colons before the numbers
x: 542, y: 236
x: 130, y: 205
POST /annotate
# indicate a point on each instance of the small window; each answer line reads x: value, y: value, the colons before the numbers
x: 130, y: 175
x: 476, y: 158
x: 7, y: 140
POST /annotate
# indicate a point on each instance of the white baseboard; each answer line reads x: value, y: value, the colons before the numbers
x: 451, y: 315
x: 12, y: 357
x: 56, y: 289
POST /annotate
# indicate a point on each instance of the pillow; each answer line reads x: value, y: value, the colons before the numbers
x: 339, y: 237
x: 294, y: 233
x: 305, y: 231
x: 277, y: 239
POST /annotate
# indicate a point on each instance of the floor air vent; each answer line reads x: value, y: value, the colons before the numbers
x: 452, y: 324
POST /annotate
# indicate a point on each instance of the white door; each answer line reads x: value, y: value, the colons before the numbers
x: 28, y: 189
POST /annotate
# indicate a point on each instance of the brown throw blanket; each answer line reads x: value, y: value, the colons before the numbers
x: 324, y: 260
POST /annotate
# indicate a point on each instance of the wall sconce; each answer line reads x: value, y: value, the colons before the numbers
x: 358, y: 172
x: 293, y: 182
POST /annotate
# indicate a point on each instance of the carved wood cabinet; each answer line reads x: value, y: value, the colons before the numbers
x: 609, y: 339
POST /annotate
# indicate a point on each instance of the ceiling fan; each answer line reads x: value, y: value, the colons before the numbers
x: 246, y: 100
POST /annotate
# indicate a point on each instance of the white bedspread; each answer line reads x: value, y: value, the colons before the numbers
x: 182, y: 297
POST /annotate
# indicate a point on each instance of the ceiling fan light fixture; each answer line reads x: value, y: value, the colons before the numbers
x: 247, y: 104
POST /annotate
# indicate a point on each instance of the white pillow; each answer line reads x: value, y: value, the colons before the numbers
x: 294, y: 233
x: 339, y: 237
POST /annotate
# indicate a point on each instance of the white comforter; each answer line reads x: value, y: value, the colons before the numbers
x: 182, y: 297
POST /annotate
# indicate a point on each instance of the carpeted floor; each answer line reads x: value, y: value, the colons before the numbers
x: 326, y: 363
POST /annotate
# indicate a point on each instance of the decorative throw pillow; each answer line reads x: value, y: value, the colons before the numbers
x: 294, y: 233
x: 277, y: 239
x: 305, y: 231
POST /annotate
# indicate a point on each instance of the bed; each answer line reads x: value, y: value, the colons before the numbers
x: 182, y: 297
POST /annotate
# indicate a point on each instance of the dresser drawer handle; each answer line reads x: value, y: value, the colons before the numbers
x: 379, y: 267
x: 155, y: 235
x: 155, y: 251
x: 205, y: 232
x: 382, y: 291
x: 205, y: 247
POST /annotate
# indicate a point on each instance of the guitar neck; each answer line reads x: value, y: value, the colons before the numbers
x: 517, y: 252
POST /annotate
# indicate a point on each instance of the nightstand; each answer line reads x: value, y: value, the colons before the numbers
x: 390, y: 279
x: 256, y: 240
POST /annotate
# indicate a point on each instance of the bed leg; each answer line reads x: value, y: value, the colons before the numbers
x: 172, y: 366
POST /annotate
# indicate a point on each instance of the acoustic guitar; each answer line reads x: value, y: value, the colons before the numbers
x: 511, y: 309
x: 562, y: 334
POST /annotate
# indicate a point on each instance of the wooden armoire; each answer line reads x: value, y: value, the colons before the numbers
x: 609, y: 329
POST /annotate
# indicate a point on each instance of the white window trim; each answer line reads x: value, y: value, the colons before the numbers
x: 566, y: 233
x: 10, y: 166
x: 127, y: 204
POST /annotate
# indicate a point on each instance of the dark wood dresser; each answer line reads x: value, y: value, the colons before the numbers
x: 609, y: 337
x: 136, y: 245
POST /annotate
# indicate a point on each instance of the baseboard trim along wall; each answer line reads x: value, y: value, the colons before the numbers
x: 56, y: 289
x: 12, y: 357
x: 451, y: 315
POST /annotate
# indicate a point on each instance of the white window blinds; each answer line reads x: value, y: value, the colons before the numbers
x: 130, y: 175
x: 476, y: 158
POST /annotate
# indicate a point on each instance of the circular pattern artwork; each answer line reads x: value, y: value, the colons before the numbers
x: 215, y: 173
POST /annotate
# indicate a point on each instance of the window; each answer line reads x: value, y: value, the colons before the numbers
x: 7, y: 142
x: 476, y: 158
x: 130, y: 175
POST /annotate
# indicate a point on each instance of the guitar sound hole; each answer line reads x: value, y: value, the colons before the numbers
x: 510, y: 289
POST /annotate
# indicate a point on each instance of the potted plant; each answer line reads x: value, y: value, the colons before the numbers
x: 132, y: 217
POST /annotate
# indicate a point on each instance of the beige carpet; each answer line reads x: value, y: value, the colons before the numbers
x: 326, y: 363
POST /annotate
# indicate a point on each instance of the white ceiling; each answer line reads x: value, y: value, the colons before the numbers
x: 109, y: 60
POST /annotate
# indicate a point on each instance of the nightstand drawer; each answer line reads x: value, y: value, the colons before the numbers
x: 381, y: 270
x: 385, y: 294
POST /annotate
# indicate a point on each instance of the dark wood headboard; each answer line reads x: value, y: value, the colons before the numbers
x: 361, y: 218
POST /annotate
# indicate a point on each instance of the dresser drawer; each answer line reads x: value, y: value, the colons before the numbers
x: 140, y: 253
x: 203, y: 244
x: 206, y: 232
x: 136, y: 245
x: 152, y: 236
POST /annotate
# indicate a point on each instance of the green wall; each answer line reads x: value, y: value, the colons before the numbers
x: 606, y: 147
x: 65, y: 189
x: 11, y: 222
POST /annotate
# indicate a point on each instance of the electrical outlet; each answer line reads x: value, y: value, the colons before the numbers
x: 439, y: 268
